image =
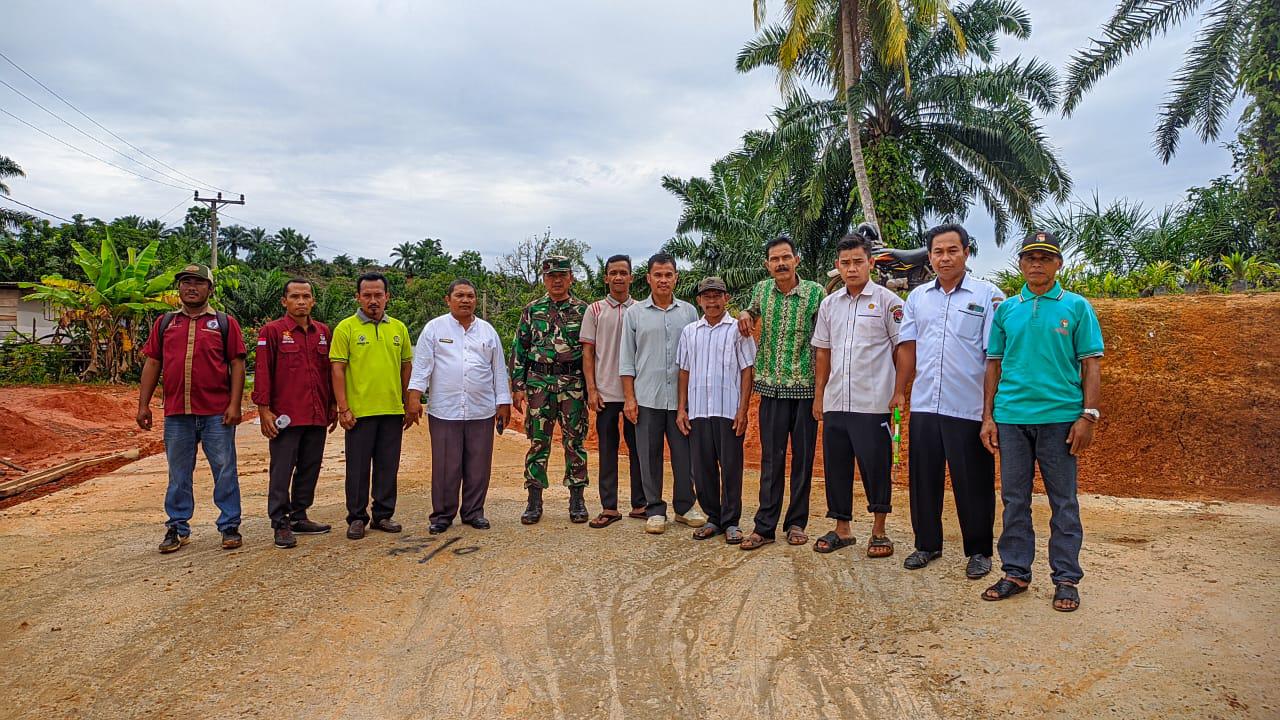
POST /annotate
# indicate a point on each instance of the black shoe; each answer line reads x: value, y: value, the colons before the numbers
x: 285, y: 538
x: 437, y: 528
x: 306, y: 527
x: 979, y: 566
x: 920, y: 558
x: 577, y: 506
x: 533, y: 510
x: 479, y: 523
x: 231, y: 538
x: 355, y: 530
x: 386, y: 525
x: 173, y: 541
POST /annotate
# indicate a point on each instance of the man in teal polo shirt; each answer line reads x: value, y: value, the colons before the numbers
x: 372, y: 358
x: 1041, y: 405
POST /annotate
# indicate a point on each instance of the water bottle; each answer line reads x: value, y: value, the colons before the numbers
x: 282, y: 422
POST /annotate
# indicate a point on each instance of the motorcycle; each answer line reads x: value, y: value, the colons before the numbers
x: 900, y: 270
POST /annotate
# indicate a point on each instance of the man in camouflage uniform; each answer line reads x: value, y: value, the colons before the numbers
x: 546, y: 365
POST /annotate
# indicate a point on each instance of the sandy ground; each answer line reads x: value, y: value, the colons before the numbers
x: 561, y: 621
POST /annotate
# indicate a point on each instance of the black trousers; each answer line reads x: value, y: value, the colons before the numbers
x: 783, y: 419
x: 717, y: 469
x: 375, y: 440
x: 652, y: 428
x: 939, y: 442
x: 461, y: 459
x: 607, y: 433
x: 863, y: 437
x: 295, y: 466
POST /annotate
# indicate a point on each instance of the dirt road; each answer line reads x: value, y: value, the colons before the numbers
x: 560, y: 621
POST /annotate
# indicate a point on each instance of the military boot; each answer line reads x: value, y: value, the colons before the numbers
x: 577, y: 506
x: 533, y: 511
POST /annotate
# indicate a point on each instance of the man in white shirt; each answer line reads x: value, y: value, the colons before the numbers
x: 647, y: 364
x: 601, y: 338
x: 856, y: 356
x: 459, y: 364
x: 944, y: 329
x: 716, y: 370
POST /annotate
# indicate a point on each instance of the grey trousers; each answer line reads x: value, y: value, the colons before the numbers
x: 653, y: 426
x: 461, y: 460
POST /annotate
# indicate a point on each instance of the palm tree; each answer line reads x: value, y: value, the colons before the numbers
x: 234, y: 237
x: 403, y: 257
x: 964, y: 130
x: 9, y: 216
x: 1206, y: 84
x: 870, y: 28
x: 8, y: 168
x: 297, y: 249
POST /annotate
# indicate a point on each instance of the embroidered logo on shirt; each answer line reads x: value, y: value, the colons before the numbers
x: 323, y: 340
x: 286, y: 338
x: 1065, y: 322
x: 395, y: 339
x: 362, y: 340
x: 897, y: 314
x: 871, y: 306
x: 212, y: 324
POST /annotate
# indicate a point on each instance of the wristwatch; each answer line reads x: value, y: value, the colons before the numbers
x: 1091, y: 413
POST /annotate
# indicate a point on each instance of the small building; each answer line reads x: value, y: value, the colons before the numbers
x: 29, y: 317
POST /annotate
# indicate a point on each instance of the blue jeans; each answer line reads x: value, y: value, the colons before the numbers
x: 182, y: 433
x: 1022, y: 447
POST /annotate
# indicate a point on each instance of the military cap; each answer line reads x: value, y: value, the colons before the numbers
x: 556, y: 264
x: 1041, y: 240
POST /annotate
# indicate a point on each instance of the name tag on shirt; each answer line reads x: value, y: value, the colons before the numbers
x: 446, y: 340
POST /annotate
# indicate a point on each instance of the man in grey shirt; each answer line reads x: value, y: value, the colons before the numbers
x: 650, y: 380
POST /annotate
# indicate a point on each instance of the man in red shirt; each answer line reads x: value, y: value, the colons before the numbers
x: 200, y: 355
x: 293, y: 390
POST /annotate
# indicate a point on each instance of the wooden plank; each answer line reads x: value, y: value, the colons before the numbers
x: 48, y: 475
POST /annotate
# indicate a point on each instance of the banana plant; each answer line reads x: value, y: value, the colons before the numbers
x: 111, y: 303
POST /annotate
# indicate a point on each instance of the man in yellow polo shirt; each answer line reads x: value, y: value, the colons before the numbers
x: 372, y: 358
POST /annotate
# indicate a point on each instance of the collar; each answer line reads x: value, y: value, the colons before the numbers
x: 702, y: 321
x: 614, y: 303
x: 206, y: 310
x: 547, y: 296
x: 366, y: 319
x: 648, y: 302
x: 295, y: 325
x: 937, y: 285
x: 793, y: 291
x: 1054, y: 293
x: 458, y: 324
x: 866, y: 289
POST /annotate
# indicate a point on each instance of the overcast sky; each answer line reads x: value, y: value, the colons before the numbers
x: 366, y: 124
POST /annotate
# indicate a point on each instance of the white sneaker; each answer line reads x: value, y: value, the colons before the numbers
x: 656, y: 525
x: 693, y: 518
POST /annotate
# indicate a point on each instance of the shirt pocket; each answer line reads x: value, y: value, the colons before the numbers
x: 969, y: 324
x: 291, y: 356
x: 869, y: 326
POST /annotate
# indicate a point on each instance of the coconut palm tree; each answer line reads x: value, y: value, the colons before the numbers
x: 964, y: 130
x: 1208, y: 81
x: 862, y: 29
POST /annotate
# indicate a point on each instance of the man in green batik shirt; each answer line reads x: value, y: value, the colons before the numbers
x: 784, y: 308
x: 546, y: 366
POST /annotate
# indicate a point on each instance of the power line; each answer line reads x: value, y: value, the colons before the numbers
x: 29, y: 207
x: 69, y: 104
x: 71, y: 125
x: 170, y: 210
x: 86, y: 152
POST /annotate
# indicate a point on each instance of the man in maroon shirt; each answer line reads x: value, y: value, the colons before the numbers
x: 200, y: 355
x: 293, y: 390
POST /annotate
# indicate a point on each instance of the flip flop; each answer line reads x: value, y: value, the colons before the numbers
x: 706, y: 532
x: 733, y: 536
x: 833, y: 542
x: 638, y: 513
x: 604, y: 520
x: 754, y: 542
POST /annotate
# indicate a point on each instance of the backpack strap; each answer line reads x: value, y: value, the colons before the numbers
x: 165, y: 321
x: 224, y: 328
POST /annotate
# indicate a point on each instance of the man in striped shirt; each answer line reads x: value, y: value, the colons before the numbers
x: 714, y: 394
x: 784, y: 309
x: 601, y: 338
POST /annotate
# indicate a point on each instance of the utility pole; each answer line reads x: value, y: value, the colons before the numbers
x: 214, y: 202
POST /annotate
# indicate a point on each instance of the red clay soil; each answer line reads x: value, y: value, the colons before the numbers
x: 1191, y: 398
